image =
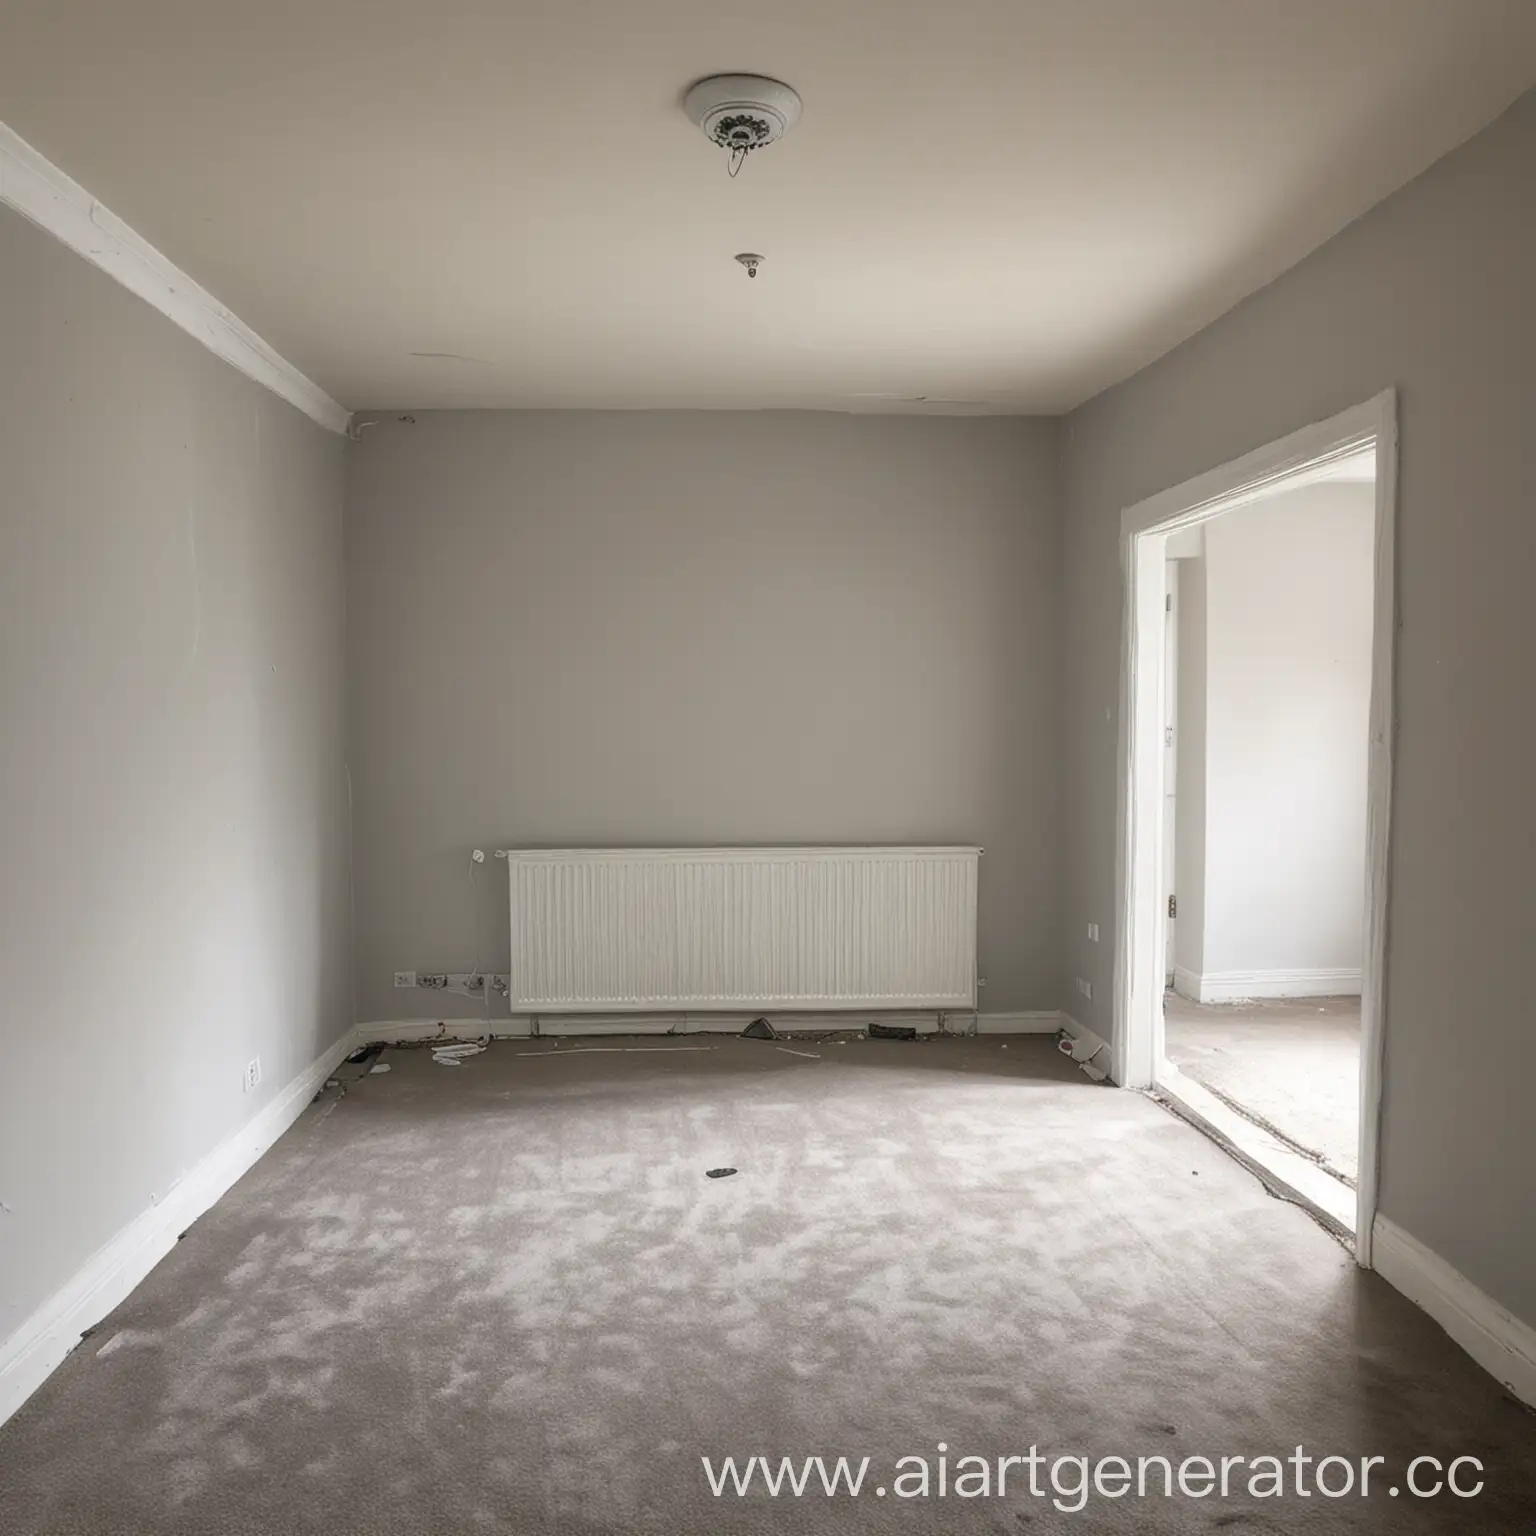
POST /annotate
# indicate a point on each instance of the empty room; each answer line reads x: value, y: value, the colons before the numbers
x: 765, y: 768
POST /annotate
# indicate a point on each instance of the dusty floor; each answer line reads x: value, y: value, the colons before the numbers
x: 1293, y: 1062
x: 504, y: 1297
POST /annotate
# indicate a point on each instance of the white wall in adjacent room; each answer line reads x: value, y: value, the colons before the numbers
x: 1275, y: 903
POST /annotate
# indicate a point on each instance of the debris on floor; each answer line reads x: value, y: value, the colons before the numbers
x: 365, y: 1053
x: 759, y: 1029
x: 893, y: 1032
x: 809, y: 1055
x: 1084, y: 1054
x: 378, y: 1066
x: 456, y: 1053
x: 718, y: 1173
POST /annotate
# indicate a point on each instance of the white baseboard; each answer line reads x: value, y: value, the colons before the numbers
x: 1039, y: 1022
x: 386, y: 1031
x: 1238, y: 986
x: 31, y: 1354
x: 1504, y: 1346
x: 517, y: 1027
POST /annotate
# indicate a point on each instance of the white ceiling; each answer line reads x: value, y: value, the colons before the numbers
x: 1012, y: 203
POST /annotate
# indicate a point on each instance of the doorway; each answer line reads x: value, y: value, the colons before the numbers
x: 1161, y: 925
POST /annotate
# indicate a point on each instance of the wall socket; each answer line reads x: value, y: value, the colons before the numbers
x: 252, y: 1075
x: 472, y: 982
x: 1086, y: 988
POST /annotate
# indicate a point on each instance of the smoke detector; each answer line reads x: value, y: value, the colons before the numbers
x: 741, y: 113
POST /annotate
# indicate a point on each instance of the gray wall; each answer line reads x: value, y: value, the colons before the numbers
x: 1430, y: 291
x: 692, y: 628
x: 173, y: 812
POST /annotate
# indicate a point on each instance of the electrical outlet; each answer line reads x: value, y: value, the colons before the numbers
x: 1093, y: 932
x: 405, y: 978
x: 252, y: 1074
x: 467, y: 981
x: 1086, y: 988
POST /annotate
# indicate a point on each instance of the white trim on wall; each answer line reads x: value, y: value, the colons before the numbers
x: 1378, y: 830
x: 1494, y: 1337
x: 1043, y: 1022
x: 389, y: 1031
x: 36, y: 1349
x: 1306, y: 456
x: 37, y: 189
x: 1237, y: 986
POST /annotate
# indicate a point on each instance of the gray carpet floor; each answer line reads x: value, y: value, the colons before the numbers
x: 1293, y: 1062
x: 504, y: 1297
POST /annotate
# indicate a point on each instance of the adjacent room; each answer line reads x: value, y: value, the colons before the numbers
x: 765, y: 769
x: 1270, y: 634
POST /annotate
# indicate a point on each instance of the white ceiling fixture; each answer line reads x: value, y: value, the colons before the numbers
x: 741, y: 113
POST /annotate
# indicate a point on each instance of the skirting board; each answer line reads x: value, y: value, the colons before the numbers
x: 37, y: 1348
x: 1504, y: 1346
x: 1238, y: 986
x: 515, y: 1027
x: 387, y: 1031
x: 1044, y: 1022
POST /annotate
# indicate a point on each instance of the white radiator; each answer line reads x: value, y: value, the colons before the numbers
x: 622, y: 930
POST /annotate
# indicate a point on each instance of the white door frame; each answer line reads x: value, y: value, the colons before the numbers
x: 1170, y: 760
x: 1137, y: 1042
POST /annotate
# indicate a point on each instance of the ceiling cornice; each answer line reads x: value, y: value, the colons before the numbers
x: 37, y: 189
